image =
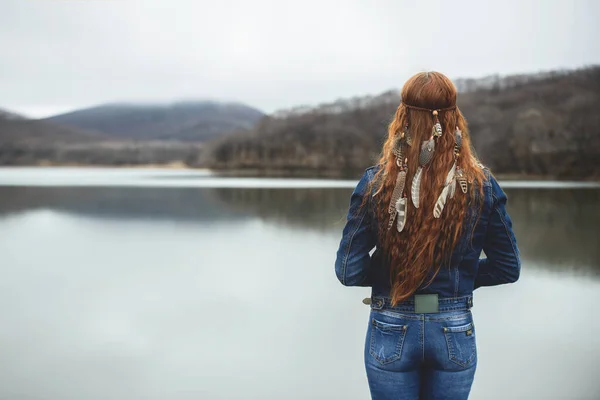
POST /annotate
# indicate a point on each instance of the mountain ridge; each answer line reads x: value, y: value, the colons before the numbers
x: 523, y: 125
x: 185, y: 120
x: 542, y: 125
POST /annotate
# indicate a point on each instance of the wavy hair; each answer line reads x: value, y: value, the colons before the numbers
x: 416, y: 254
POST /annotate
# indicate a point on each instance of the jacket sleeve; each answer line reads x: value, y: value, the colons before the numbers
x: 358, y: 239
x: 503, y: 263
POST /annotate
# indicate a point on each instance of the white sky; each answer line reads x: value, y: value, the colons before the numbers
x: 58, y: 55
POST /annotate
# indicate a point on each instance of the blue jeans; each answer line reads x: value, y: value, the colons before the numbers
x: 413, y: 356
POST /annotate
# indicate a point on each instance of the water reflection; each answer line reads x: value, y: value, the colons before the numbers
x: 315, y: 209
x: 180, y: 204
x: 136, y: 293
x: 556, y: 228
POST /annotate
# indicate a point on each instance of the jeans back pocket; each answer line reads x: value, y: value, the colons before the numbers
x: 386, y: 341
x: 462, y: 348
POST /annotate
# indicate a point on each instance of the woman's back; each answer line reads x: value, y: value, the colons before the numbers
x: 428, y: 208
x: 463, y: 273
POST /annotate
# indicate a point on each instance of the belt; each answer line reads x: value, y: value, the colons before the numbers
x: 422, y: 304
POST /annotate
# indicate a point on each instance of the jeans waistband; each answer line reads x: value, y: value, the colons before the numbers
x: 408, y: 306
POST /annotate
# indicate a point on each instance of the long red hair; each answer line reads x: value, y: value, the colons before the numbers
x: 416, y: 254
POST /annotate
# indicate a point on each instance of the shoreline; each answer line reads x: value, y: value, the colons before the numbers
x: 172, y: 165
x: 277, y: 173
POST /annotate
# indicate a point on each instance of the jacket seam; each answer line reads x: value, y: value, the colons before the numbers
x: 495, y: 199
x: 457, y: 280
x: 348, y: 248
x: 509, y: 237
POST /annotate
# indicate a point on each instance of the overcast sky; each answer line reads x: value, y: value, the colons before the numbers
x: 58, y: 55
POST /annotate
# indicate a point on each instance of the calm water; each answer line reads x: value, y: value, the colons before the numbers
x: 147, y: 284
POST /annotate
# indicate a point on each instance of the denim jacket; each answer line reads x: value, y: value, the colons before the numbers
x: 355, y: 266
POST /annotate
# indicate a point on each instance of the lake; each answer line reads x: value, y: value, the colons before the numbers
x: 166, y: 284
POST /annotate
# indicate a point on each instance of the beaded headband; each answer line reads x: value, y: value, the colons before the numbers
x: 434, y: 111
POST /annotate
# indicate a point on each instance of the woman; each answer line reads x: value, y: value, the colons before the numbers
x: 429, y: 208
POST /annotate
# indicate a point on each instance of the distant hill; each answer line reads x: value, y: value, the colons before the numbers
x: 184, y: 121
x: 16, y: 129
x: 547, y: 125
x: 544, y: 124
x: 10, y: 116
x: 539, y: 124
x: 34, y: 142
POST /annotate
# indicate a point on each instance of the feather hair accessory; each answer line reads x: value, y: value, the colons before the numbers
x: 437, y: 127
x: 401, y: 210
x: 407, y: 136
x: 425, y: 157
x: 452, y: 189
x: 462, y: 181
x: 398, y: 190
x: 460, y: 177
x: 441, y: 201
x: 450, y: 183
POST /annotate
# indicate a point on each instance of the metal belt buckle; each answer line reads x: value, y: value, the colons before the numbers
x: 426, y: 303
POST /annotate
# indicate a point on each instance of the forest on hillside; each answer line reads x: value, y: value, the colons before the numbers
x: 544, y: 124
x: 535, y: 125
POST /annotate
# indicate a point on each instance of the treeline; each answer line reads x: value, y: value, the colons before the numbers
x: 120, y: 134
x: 117, y: 153
x: 549, y: 126
x: 545, y: 124
x: 528, y: 125
x: 32, y: 142
x: 331, y: 139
